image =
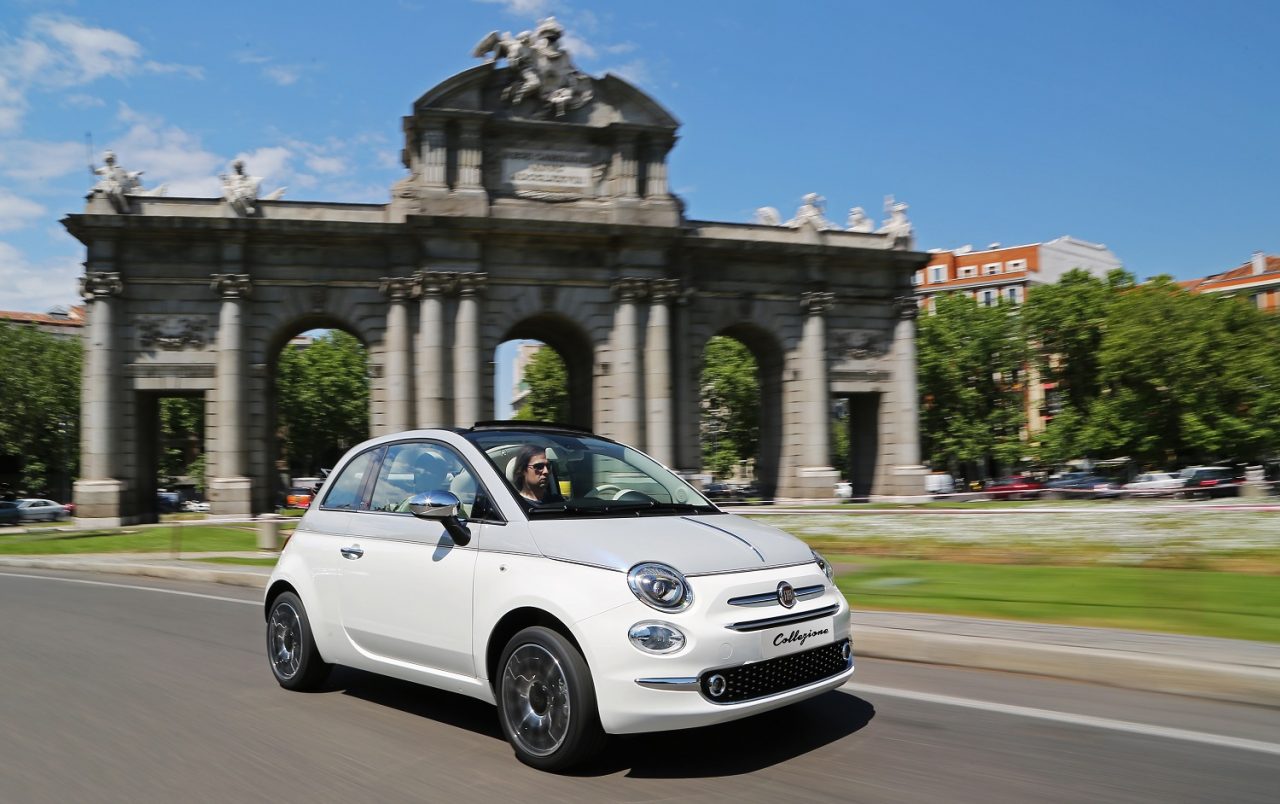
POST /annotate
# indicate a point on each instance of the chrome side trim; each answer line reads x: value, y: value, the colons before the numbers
x: 669, y: 683
x: 771, y: 598
x: 785, y: 619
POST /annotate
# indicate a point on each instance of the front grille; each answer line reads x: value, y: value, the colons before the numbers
x: 772, y: 676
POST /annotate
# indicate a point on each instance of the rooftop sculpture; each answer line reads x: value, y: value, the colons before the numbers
x: 240, y: 190
x: 539, y: 68
x: 116, y: 183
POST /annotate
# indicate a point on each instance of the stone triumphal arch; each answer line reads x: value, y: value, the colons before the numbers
x: 536, y: 204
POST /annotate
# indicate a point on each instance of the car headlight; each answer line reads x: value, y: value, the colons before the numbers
x: 655, y: 637
x: 825, y: 566
x: 660, y: 586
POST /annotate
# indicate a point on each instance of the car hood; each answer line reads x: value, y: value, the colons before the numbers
x: 694, y: 545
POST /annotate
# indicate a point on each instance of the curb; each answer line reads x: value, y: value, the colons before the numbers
x: 1131, y: 670
x: 1138, y: 671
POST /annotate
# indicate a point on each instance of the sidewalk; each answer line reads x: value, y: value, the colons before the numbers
x: 1222, y: 669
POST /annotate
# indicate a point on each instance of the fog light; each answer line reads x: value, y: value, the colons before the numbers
x: 846, y: 650
x: 655, y: 637
x: 716, y: 685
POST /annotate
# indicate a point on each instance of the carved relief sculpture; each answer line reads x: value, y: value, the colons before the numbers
x: 860, y: 344
x: 539, y: 68
x: 173, y: 333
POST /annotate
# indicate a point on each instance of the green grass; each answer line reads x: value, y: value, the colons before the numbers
x: 1220, y: 604
x: 252, y: 562
x: 161, y: 539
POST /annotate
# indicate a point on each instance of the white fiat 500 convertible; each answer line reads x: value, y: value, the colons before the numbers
x: 568, y: 579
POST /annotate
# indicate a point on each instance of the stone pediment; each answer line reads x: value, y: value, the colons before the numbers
x: 479, y: 90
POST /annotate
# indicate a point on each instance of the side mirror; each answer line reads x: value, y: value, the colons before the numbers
x: 441, y: 506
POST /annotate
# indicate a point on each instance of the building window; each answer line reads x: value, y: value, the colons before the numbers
x: 937, y: 273
x: 967, y: 271
x: 1013, y: 294
x: 1015, y: 265
x: 1259, y: 300
x: 991, y: 268
x: 915, y: 278
x: 988, y: 298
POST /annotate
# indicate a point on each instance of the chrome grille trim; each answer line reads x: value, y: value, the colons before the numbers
x: 785, y: 619
x: 669, y: 683
x: 771, y: 598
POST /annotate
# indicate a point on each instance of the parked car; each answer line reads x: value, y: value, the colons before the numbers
x: 9, y: 514
x: 844, y: 489
x: 624, y: 602
x: 196, y: 507
x: 1081, y: 485
x: 1154, y: 484
x: 720, y: 491
x: 1014, y: 487
x: 298, y: 497
x: 1212, y: 481
x: 37, y: 510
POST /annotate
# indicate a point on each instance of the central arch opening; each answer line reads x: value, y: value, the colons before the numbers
x: 318, y: 405
x: 544, y: 372
x: 741, y: 412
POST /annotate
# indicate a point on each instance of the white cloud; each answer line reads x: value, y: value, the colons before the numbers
x: 282, y: 74
x: 17, y: 212
x: 636, y: 71
x: 36, y: 287
x: 59, y: 52
x: 269, y: 163
x: 33, y: 162
x: 578, y: 47
x: 522, y: 8
x: 81, y: 100
x: 168, y: 155
x: 327, y: 164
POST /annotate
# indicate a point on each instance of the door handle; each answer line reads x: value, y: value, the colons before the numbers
x: 352, y: 552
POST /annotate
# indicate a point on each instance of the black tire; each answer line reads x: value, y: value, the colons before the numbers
x: 291, y: 649
x: 547, y: 701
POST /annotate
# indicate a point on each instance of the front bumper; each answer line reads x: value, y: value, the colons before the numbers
x: 640, y: 692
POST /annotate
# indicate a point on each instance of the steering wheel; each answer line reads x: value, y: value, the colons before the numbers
x: 607, y: 491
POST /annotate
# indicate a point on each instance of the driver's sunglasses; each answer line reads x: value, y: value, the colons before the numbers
x: 538, y: 467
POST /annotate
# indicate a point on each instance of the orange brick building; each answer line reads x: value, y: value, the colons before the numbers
x: 1259, y: 279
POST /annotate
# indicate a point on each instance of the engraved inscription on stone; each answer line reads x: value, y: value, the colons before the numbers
x: 547, y: 174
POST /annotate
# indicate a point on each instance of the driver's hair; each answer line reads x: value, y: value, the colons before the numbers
x: 523, y: 457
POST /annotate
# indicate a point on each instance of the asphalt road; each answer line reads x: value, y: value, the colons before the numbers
x: 135, y: 690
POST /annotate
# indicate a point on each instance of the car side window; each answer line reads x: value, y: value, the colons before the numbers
x: 420, y: 467
x: 345, y: 492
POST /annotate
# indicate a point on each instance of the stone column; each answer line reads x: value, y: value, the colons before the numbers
x: 231, y: 487
x: 626, y: 370
x: 434, y: 158
x: 99, y: 412
x: 659, y: 425
x: 624, y: 169
x: 467, y: 360
x: 815, y: 450
x: 656, y: 186
x: 397, y: 374
x: 907, y: 472
x: 432, y: 285
x: 469, y: 157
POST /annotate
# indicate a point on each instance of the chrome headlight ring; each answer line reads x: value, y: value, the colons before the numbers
x: 660, y: 586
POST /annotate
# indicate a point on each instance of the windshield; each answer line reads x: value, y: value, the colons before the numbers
x: 562, y: 475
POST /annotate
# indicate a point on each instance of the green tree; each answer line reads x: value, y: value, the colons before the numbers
x: 548, y: 383
x: 971, y: 371
x: 40, y: 407
x: 730, y: 426
x: 181, y: 436
x: 322, y: 405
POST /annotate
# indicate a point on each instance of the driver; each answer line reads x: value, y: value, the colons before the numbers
x: 531, y: 474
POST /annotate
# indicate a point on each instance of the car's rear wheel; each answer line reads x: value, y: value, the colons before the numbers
x: 547, y: 701
x: 291, y: 648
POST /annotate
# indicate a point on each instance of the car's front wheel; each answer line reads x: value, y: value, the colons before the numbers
x: 547, y: 701
x: 291, y: 648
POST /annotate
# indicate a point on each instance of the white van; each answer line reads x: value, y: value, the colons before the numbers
x: 939, y: 483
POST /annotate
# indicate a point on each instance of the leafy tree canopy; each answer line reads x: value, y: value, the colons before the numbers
x: 40, y: 406
x: 548, y: 383
x: 730, y: 426
x: 322, y: 405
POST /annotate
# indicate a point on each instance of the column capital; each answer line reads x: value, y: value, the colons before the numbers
x: 398, y: 288
x: 906, y: 307
x: 630, y: 288
x: 662, y: 291
x: 817, y: 302
x: 435, y: 283
x: 100, y: 285
x: 471, y: 284
x: 231, y: 286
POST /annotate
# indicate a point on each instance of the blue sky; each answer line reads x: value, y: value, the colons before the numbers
x: 1151, y: 127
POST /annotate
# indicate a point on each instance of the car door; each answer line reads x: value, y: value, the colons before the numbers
x: 406, y: 585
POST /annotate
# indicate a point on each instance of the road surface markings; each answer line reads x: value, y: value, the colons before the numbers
x: 1076, y: 720
x: 131, y: 586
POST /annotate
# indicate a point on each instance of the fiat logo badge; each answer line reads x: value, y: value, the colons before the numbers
x: 786, y: 595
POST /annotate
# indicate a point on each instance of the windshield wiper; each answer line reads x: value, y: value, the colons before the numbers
x: 562, y: 508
